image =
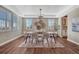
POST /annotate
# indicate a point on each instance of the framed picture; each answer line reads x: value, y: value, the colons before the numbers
x: 75, y: 24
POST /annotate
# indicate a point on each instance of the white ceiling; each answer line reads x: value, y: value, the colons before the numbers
x: 33, y: 10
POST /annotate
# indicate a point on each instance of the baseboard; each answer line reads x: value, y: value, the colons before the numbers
x: 10, y: 40
x: 73, y: 41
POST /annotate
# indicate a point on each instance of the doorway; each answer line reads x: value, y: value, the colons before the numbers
x: 64, y: 26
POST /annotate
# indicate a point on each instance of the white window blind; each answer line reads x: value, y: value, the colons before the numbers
x: 29, y: 23
x: 51, y: 24
x: 14, y: 22
x: 8, y: 20
x: 3, y: 16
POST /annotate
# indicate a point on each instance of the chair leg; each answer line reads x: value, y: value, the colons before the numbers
x: 25, y: 40
x: 32, y: 41
x: 43, y: 42
x: 54, y: 41
x: 47, y: 42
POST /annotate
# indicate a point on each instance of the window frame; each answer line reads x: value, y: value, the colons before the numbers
x: 31, y: 22
x: 8, y: 19
x: 51, y: 23
x: 14, y: 21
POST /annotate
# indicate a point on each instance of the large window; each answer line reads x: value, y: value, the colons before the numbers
x: 3, y: 16
x: 29, y: 23
x: 8, y: 20
x: 14, y: 22
x: 51, y: 24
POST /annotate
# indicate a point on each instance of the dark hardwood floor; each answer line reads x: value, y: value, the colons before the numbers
x: 12, y: 48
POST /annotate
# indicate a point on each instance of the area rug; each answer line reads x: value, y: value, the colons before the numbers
x: 40, y: 45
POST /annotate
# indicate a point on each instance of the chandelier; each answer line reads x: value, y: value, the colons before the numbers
x: 40, y: 24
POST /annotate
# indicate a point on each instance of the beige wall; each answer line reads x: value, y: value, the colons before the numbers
x: 5, y: 36
x: 73, y: 36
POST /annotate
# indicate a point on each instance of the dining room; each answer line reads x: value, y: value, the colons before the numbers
x: 39, y: 29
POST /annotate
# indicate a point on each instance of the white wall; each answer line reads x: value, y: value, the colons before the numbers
x: 73, y: 36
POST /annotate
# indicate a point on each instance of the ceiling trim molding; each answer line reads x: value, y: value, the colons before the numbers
x: 36, y: 16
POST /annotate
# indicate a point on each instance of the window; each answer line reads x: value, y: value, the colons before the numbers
x: 29, y: 23
x: 3, y: 20
x: 8, y: 26
x: 14, y: 22
x: 8, y: 20
x: 51, y: 24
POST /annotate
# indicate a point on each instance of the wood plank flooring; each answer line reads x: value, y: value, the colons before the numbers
x: 12, y: 48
